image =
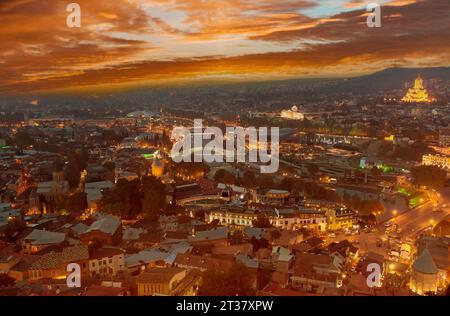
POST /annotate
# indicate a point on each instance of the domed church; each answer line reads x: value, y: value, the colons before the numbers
x: 424, y: 274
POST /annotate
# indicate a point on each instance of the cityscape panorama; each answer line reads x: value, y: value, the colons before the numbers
x: 225, y: 148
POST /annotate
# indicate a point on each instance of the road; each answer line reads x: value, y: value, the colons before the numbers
x: 409, y: 222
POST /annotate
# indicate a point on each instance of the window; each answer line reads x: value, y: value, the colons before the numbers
x: 110, y: 260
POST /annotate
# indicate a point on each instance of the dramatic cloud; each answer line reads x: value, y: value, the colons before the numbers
x: 128, y: 42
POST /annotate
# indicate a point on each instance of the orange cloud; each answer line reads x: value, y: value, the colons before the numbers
x: 129, y: 42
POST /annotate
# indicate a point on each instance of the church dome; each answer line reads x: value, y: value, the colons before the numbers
x: 425, y: 263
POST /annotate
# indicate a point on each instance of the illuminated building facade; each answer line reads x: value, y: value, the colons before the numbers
x: 340, y: 219
x: 233, y: 217
x: 444, y: 137
x: 157, y: 168
x: 271, y: 197
x: 292, y: 114
x: 436, y: 160
x: 418, y: 93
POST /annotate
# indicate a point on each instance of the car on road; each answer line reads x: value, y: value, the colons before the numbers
x: 388, y: 224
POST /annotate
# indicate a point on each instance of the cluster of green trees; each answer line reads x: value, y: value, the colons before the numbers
x: 129, y: 199
x: 262, y: 221
x: 236, y: 281
x: 183, y: 169
x: 77, y: 162
x: 430, y: 176
x: 364, y: 207
x: 225, y: 176
x: 251, y: 180
x: 76, y: 202
x: 157, y: 141
x: 248, y: 180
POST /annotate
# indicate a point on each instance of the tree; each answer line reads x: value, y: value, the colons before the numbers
x: 154, y: 197
x: 313, y: 169
x: 14, y: 227
x: 224, y: 176
x: 23, y: 139
x: 259, y: 243
x: 124, y: 200
x: 375, y: 172
x: 286, y: 184
x: 236, y: 281
x: 262, y: 221
x: 275, y: 234
x: 249, y: 179
x: 77, y: 202
x: 430, y: 176
x: 110, y: 166
x: 265, y: 181
x: 77, y: 162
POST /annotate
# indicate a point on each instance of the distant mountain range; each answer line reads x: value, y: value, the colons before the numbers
x: 281, y: 93
x: 394, y: 78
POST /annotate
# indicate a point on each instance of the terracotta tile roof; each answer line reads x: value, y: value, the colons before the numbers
x: 105, y: 252
x: 56, y: 259
x: 203, y: 262
x: 160, y: 275
x: 306, y: 261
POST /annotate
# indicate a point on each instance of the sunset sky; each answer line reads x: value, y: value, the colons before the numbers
x: 128, y: 42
